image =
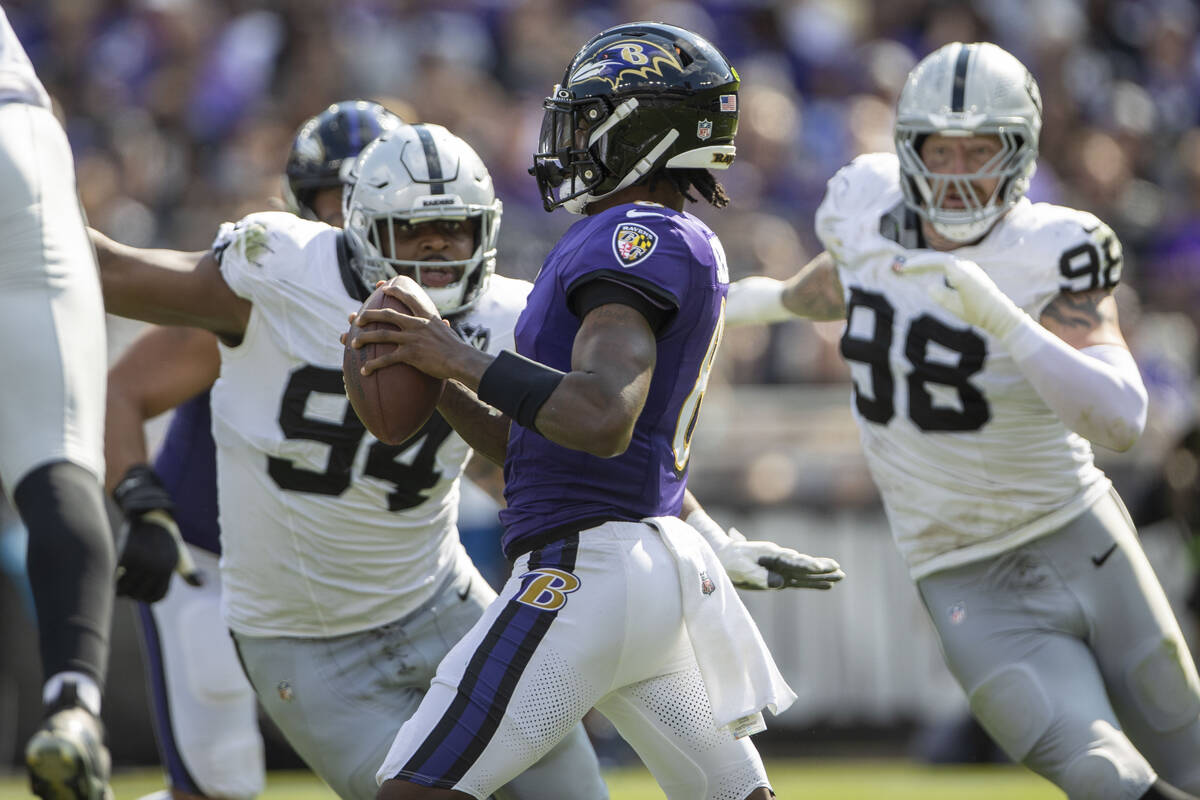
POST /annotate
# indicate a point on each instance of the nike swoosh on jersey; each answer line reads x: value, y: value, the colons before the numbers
x: 1100, y: 559
x: 635, y: 213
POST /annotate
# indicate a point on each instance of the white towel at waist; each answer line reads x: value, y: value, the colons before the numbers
x: 738, y: 670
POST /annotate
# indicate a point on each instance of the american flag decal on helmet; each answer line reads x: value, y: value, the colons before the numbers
x: 728, y: 102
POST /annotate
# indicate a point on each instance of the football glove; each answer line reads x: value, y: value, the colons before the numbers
x: 153, y: 547
x: 766, y: 565
x: 966, y: 291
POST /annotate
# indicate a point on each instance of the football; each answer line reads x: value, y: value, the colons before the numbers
x: 394, y: 402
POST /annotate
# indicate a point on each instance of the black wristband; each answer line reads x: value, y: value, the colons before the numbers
x: 518, y: 386
x: 141, y: 490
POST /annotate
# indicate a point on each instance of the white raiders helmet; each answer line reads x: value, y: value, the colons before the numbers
x: 964, y: 90
x: 418, y: 173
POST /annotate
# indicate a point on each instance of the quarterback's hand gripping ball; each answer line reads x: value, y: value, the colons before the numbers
x: 395, y: 401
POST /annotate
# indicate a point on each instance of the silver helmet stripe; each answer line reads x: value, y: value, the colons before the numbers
x: 432, y: 160
x: 959, y: 85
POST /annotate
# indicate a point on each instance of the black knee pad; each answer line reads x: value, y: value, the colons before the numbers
x: 71, y: 566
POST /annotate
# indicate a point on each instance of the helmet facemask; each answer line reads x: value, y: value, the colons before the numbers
x: 926, y: 191
x: 422, y: 175
x: 379, y: 262
x: 963, y: 90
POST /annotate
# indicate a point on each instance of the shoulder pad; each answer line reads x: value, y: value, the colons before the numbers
x: 263, y: 248
x: 507, y: 290
x: 1087, y: 252
x: 855, y: 187
x: 262, y: 237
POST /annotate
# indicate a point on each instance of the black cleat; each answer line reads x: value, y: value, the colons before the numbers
x: 66, y: 757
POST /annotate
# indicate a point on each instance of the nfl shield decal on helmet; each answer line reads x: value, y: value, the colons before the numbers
x: 633, y: 243
x: 703, y: 129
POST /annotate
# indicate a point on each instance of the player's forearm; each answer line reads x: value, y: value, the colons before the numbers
x: 814, y: 293
x: 1097, y: 392
x: 488, y: 476
x: 124, y: 438
x: 482, y: 427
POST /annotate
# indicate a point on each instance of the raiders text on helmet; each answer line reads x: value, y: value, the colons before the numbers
x: 964, y: 90
x: 636, y: 98
x: 326, y: 145
x: 414, y: 174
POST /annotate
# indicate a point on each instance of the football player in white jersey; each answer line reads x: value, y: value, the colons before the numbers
x: 205, y: 710
x: 343, y: 580
x: 986, y: 357
x: 52, y: 348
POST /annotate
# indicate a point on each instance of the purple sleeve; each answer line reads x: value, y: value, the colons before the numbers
x: 651, y: 253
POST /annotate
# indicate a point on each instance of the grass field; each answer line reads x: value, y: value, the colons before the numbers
x: 841, y: 780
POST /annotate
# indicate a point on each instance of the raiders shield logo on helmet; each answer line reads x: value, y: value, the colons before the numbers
x: 633, y: 243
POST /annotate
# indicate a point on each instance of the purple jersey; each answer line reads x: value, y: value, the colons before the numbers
x: 675, y: 260
x: 187, y: 464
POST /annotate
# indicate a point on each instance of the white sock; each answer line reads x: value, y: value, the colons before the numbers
x: 88, y: 691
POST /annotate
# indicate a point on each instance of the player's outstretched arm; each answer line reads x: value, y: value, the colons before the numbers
x: 168, y: 287
x: 814, y: 292
x: 760, y: 564
x: 161, y: 369
x: 1076, y: 357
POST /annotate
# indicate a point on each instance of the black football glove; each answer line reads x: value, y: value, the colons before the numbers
x: 153, y: 547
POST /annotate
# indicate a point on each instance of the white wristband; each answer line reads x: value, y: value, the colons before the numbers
x: 756, y: 300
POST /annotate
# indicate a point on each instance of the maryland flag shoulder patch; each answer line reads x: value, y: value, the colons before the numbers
x: 633, y: 243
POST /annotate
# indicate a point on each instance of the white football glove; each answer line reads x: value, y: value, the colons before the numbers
x: 965, y: 291
x: 766, y: 565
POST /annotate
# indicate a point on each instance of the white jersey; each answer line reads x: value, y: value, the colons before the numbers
x: 324, y: 529
x: 969, y: 459
x: 18, y: 81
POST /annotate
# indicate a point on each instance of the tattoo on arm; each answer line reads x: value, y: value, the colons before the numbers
x: 816, y: 292
x: 1079, y: 311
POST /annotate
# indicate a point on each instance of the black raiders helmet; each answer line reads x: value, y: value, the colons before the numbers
x: 635, y: 99
x: 325, y: 147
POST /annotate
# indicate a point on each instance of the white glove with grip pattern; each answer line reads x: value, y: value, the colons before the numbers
x: 965, y: 291
x: 762, y: 564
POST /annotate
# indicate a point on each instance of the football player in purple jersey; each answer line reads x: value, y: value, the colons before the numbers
x: 613, y: 601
